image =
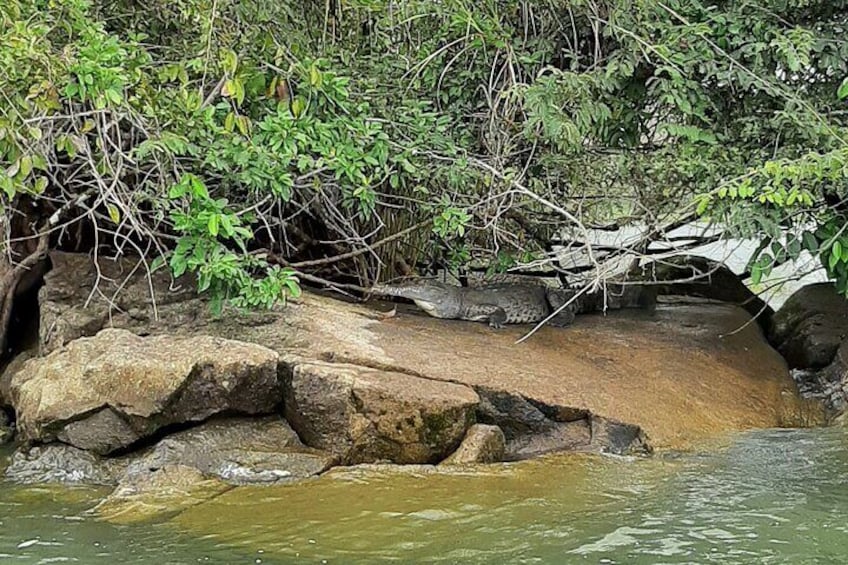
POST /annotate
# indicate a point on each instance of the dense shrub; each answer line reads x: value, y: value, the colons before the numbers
x: 253, y: 142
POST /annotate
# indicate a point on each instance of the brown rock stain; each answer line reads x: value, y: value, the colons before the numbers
x: 683, y: 373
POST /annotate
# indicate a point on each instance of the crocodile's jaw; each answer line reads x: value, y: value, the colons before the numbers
x: 434, y: 310
x: 437, y: 301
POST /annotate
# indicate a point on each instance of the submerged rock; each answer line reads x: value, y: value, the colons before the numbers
x: 165, y: 491
x: 107, y: 392
x: 238, y: 451
x: 61, y: 463
x: 366, y: 415
x: 482, y: 444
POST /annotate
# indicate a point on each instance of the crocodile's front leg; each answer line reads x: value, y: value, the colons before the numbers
x: 556, y: 298
x: 492, y: 313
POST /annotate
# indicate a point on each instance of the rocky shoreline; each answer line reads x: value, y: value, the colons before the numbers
x: 135, y: 385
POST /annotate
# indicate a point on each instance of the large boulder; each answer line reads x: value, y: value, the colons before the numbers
x: 810, y: 326
x: 365, y: 415
x: 107, y: 392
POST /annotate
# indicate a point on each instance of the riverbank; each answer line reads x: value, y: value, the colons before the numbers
x: 126, y: 390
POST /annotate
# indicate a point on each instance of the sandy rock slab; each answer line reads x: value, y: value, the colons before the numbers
x: 107, y: 392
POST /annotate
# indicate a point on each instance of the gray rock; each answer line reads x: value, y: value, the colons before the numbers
x: 60, y: 463
x: 619, y: 438
x: 238, y: 451
x: 367, y: 415
x: 482, y: 444
x: 69, y: 309
x: 810, y: 326
x: 107, y: 392
x: 534, y: 428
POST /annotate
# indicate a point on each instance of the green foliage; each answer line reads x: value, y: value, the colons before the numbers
x: 205, y: 227
x: 218, y: 131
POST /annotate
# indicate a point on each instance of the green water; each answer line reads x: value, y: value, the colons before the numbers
x: 768, y: 497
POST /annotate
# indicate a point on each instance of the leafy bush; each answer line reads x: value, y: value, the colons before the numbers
x: 255, y: 143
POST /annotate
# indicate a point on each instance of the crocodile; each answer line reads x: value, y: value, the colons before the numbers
x: 496, y: 303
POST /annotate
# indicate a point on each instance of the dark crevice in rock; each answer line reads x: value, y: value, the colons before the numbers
x: 161, y: 433
x: 24, y: 319
x: 7, y: 425
x: 534, y: 428
x: 23, y: 327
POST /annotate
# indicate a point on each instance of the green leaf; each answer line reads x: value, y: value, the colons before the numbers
x: 243, y: 123
x: 157, y: 263
x: 216, y: 305
x: 811, y: 244
x: 40, y: 185
x: 178, y: 265
x: 756, y: 274
x: 198, y: 189
x: 39, y: 162
x: 297, y: 106
x: 114, y: 213
x: 204, y: 280
x: 842, y: 93
x: 227, y: 225
x: 315, y: 78
x: 836, y: 250
x: 177, y: 191
x: 294, y: 287
x: 114, y: 96
x: 213, y: 224
x: 24, y: 167
x: 8, y: 186
x: 794, y: 248
x: 230, y: 61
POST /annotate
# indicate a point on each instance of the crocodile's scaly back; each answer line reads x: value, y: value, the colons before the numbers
x: 521, y: 304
